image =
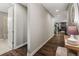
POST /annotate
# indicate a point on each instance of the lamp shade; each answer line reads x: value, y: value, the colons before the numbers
x: 72, y: 30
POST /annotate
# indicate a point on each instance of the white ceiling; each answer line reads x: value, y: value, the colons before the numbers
x: 52, y: 7
x: 4, y: 7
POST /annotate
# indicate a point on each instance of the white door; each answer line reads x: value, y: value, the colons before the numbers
x: 19, y: 23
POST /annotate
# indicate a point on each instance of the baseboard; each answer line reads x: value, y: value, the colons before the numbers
x: 20, y: 45
x: 31, y: 54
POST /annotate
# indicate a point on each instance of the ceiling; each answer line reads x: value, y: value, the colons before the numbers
x: 56, y: 8
x: 51, y: 7
x: 4, y: 7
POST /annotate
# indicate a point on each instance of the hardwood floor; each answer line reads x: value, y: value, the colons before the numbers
x: 49, y: 49
x: 17, y: 52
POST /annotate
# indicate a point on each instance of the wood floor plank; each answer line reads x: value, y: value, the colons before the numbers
x: 49, y: 49
x: 17, y: 52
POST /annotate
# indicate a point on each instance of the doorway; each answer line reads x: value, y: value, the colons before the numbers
x: 16, y: 25
x: 6, y: 34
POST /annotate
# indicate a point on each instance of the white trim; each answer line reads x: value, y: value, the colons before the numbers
x: 31, y: 54
x: 20, y: 45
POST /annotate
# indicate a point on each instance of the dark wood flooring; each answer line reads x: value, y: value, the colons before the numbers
x: 17, y: 52
x: 49, y: 49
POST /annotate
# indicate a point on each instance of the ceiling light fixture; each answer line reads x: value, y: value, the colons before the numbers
x: 57, y: 10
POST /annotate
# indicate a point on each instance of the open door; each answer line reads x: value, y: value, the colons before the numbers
x: 20, y: 26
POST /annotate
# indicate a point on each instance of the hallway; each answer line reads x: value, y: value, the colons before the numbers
x: 49, y: 49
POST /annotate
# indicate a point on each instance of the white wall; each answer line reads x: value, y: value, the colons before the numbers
x: 40, y: 26
x: 50, y: 27
x: 10, y: 25
x: 62, y: 17
x: 20, y: 25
